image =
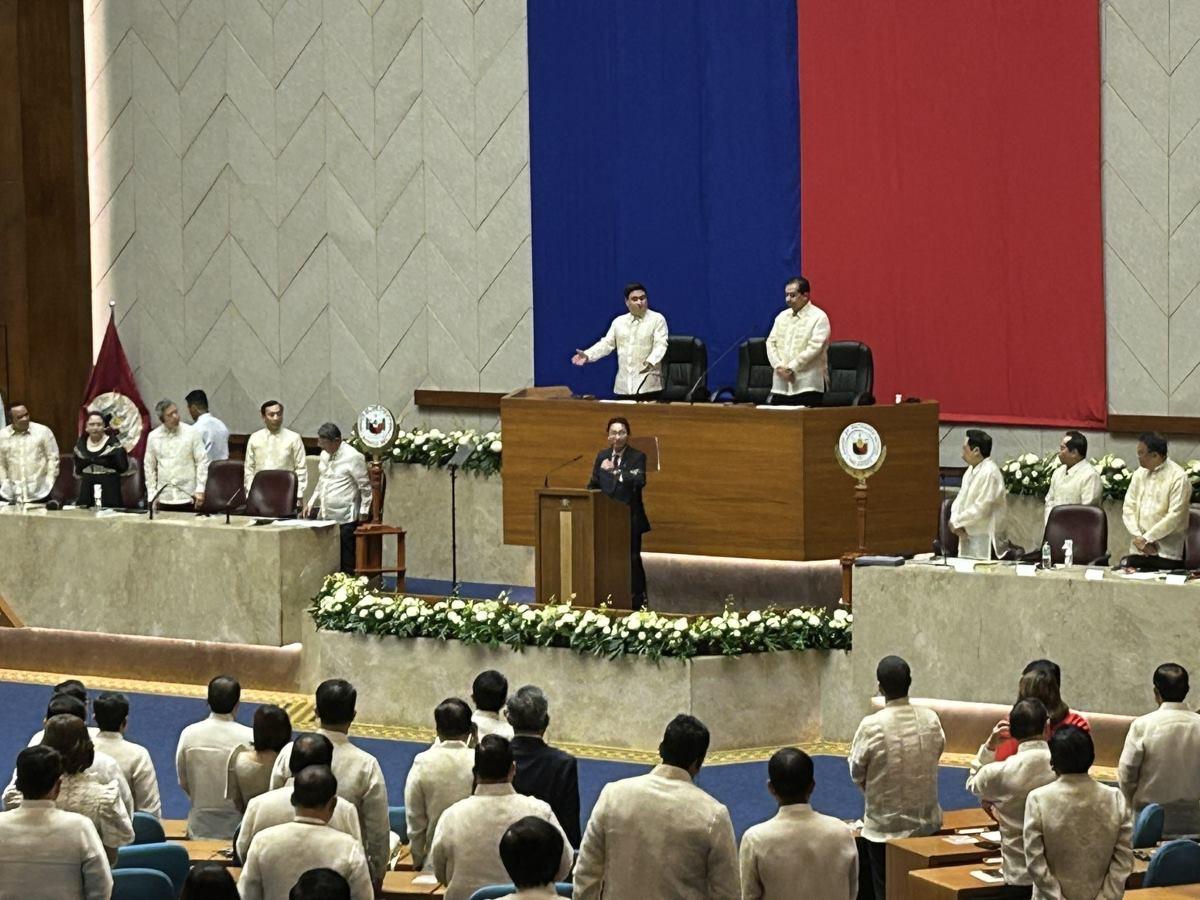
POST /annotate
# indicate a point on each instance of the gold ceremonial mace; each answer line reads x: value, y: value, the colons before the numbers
x: 860, y: 475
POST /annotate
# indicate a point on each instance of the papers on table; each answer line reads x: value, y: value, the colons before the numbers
x: 300, y: 523
x: 988, y: 876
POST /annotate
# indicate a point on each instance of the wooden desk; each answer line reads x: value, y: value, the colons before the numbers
x: 971, y: 817
x: 175, y: 829
x: 957, y: 883
x: 396, y: 886
x: 218, y: 851
x: 1178, y: 892
x: 738, y: 481
x: 910, y: 854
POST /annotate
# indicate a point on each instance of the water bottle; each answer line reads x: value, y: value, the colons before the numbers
x: 1046, y: 564
x: 97, y: 494
x: 1068, y: 552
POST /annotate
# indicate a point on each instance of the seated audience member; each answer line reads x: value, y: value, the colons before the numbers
x: 275, y: 807
x: 799, y: 853
x: 543, y: 771
x: 47, y: 853
x: 209, y: 881
x: 488, y: 693
x: 360, y: 780
x: 112, y: 718
x: 659, y: 835
x: 250, y: 765
x: 1160, y: 762
x: 202, y: 760
x: 894, y: 760
x: 1155, y: 511
x: 320, y: 884
x: 282, y: 853
x: 1006, y: 784
x: 439, y: 777
x: 1042, y: 680
x: 1077, y: 831
x: 466, y: 846
x: 531, y: 849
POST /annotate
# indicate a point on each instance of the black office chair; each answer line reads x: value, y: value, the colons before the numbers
x: 685, y: 369
x: 754, y: 377
x: 851, y: 375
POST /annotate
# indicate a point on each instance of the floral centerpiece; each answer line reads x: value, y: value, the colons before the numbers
x: 1114, y: 476
x: 345, y: 604
x: 433, y: 448
x: 1029, y: 474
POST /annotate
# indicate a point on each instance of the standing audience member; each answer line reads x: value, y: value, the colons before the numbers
x: 320, y: 884
x: 1077, y: 831
x: 1042, y: 680
x: 466, y: 847
x: 659, y: 835
x: 1006, y: 784
x: 543, y: 771
x: 213, y: 432
x: 1161, y: 759
x: 202, y: 760
x: 894, y: 760
x: 209, y: 881
x: 112, y: 717
x: 488, y: 693
x: 281, y: 854
x: 360, y: 780
x: 249, y: 771
x: 439, y: 777
x: 531, y: 849
x: 799, y: 853
x: 47, y: 853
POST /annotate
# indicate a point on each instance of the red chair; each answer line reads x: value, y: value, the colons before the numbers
x: 225, y: 480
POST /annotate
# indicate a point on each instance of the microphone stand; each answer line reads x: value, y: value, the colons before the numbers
x: 546, y: 478
x: 708, y: 368
x: 460, y: 457
x: 229, y: 505
x: 158, y: 494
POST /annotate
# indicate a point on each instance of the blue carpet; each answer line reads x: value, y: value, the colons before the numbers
x: 155, y: 722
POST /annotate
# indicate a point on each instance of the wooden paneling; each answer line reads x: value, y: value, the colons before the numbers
x: 480, y: 401
x: 1167, y: 425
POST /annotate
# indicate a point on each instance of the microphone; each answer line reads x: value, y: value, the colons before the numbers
x: 637, y: 392
x: 546, y: 480
x: 229, y: 505
x: 708, y: 368
x: 158, y: 493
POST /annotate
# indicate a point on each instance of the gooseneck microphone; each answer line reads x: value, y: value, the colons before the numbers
x: 546, y: 479
x: 708, y: 368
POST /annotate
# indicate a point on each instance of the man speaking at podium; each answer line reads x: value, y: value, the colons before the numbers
x: 620, y: 472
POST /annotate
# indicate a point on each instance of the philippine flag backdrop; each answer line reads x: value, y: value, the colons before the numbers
x: 932, y: 166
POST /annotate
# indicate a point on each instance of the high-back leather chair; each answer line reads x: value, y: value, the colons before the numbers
x: 225, y: 479
x: 66, y: 485
x: 685, y: 364
x: 133, y: 486
x: 1191, y: 546
x: 754, y: 376
x: 851, y: 375
x: 272, y: 494
x: 1087, y: 528
x: 946, y: 543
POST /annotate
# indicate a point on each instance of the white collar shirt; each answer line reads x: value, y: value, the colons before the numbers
x: 343, y: 490
x: 29, y: 462
x: 639, y: 342
x: 1077, y: 837
x: 491, y: 723
x: 658, y: 835
x: 282, y: 853
x: 1156, y: 507
x: 1078, y: 485
x: 214, y: 435
x: 546, y: 890
x: 103, y: 770
x: 1159, y: 765
x: 466, y: 847
x: 138, y: 768
x: 800, y: 341
x: 46, y: 852
x: 799, y: 853
x: 1006, y: 784
x: 275, y: 808
x: 175, y: 461
x: 101, y: 804
x: 979, y: 508
x: 360, y: 780
x: 439, y: 778
x: 202, y: 763
x: 894, y: 759
x: 282, y: 449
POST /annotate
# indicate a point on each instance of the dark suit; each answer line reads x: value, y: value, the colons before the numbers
x: 551, y: 775
x: 625, y: 484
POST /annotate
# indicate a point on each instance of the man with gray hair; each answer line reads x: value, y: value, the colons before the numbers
x: 543, y: 771
x: 343, y: 491
x: 175, y: 463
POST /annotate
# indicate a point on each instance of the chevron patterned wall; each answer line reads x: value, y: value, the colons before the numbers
x: 324, y: 201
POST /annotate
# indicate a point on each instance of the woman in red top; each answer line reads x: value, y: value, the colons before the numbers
x: 1041, y: 681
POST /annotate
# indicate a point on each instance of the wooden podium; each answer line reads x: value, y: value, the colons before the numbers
x: 582, y: 548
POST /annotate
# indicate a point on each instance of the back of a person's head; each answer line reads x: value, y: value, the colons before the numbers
x: 531, y: 850
x: 1171, y: 682
x: 528, y: 710
x: 272, y: 728
x: 209, y: 881
x: 1071, y: 751
x: 1027, y: 719
x: 38, y: 768
x: 224, y: 692
x: 310, y: 749
x: 314, y: 787
x: 489, y: 690
x: 66, y: 705
x: 452, y: 718
x: 684, y: 743
x: 320, y: 884
x: 72, y: 687
x: 493, y: 758
x: 894, y: 677
x: 69, y: 736
x: 110, y: 711
x: 1047, y: 665
x: 790, y: 771
x: 1041, y: 684
x: 336, y: 701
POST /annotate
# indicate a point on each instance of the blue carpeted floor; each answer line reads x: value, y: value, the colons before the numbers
x: 155, y: 722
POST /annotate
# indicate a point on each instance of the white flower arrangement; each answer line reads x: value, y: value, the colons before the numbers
x: 345, y: 604
x: 433, y: 448
x: 1026, y: 474
x: 1029, y: 474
